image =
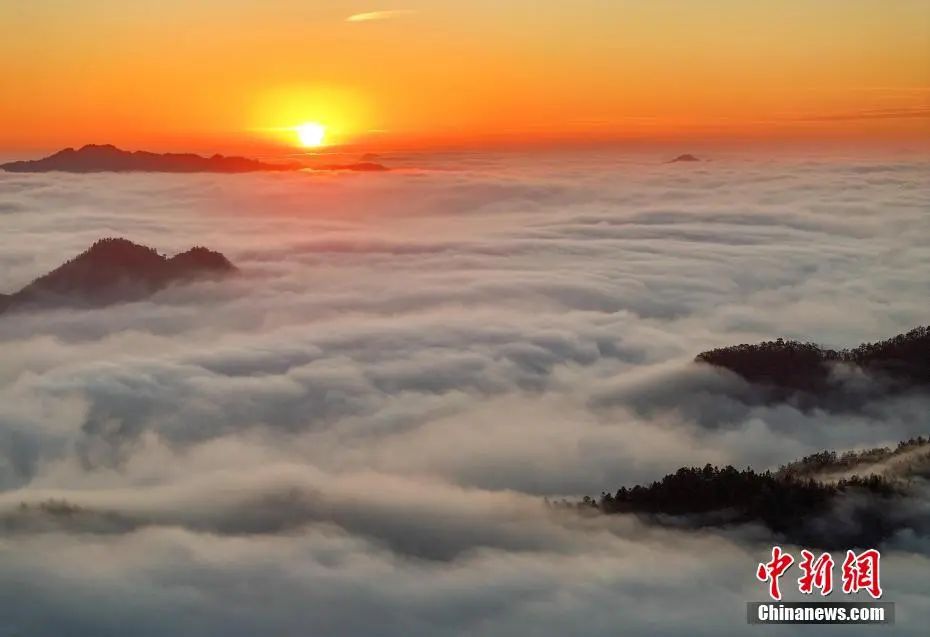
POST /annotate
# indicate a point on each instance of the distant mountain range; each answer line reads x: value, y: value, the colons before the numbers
x: 108, y: 158
x: 94, y: 158
x: 115, y: 271
x: 361, y: 166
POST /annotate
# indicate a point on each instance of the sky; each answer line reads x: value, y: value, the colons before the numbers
x: 240, y: 74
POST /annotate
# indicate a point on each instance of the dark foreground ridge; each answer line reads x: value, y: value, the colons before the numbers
x: 107, y: 158
x: 685, y: 157
x: 823, y: 500
x: 115, y: 271
x: 898, y: 363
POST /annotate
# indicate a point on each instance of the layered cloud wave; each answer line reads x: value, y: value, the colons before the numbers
x: 356, y: 435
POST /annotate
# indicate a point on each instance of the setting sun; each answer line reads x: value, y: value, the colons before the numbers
x: 311, y: 134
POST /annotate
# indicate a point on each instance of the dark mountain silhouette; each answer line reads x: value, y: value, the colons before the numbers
x: 114, y: 271
x: 798, y: 502
x: 107, y: 158
x: 685, y: 157
x: 898, y: 363
x: 362, y: 166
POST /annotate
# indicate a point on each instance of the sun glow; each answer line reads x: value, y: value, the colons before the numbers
x: 311, y: 134
x: 308, y: 116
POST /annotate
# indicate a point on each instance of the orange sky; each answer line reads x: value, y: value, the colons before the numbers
x: 234, y: 74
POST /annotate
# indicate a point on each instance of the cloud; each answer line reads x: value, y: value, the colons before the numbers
x: 372, y: 16
x: 355, y: 436
x: 915, y: 112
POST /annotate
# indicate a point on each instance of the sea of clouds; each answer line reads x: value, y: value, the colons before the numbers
x: 356, y: 435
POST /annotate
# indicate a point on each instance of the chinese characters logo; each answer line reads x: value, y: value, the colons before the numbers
x: 860, y: 572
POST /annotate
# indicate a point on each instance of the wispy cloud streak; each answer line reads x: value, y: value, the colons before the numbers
x: 373, y: 16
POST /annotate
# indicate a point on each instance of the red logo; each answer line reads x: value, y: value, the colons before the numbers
x: 771, y: 571
x: 860, y: 572
x: 817, y: 573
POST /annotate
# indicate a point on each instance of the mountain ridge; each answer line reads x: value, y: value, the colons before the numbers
x: 92, y: 158
x: 787, y: 366
x: 822, y: 500
x: 114, y: 270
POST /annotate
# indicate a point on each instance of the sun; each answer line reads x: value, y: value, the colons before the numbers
x: 311, y: 134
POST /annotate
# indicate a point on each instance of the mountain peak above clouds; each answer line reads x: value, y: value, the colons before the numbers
x: 115, y: 270
x: 683, y: 158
